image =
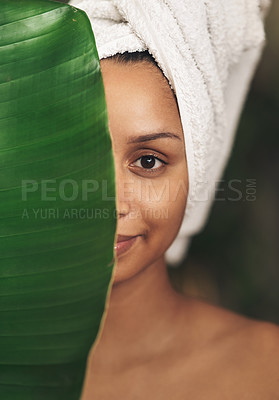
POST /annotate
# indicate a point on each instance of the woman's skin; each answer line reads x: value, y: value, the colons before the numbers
x: 155, y: 343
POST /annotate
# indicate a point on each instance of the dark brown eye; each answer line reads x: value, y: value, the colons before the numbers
x: 148, y: 161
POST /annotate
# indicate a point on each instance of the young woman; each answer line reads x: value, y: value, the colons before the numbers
x: 156, y: 343
x: 171, y: 123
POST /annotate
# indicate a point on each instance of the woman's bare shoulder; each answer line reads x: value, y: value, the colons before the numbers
x: 241, y: 348
x: 253, y: 340
x: 226, y: 325
x: 261, y: 340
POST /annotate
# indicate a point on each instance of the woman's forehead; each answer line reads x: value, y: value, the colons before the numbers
x: 139, y: 98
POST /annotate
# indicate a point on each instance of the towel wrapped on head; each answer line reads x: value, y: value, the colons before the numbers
x: 208, y: 50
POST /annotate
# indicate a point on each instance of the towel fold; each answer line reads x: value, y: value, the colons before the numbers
x: 208, y: 50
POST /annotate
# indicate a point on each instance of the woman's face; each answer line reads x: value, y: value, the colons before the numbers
x: 150, y: 163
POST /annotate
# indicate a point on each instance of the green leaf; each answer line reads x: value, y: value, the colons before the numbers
x: 57, y: 199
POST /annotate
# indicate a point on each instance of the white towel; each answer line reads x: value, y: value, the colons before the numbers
x: 208, y: 50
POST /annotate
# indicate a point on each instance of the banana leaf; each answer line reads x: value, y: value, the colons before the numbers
x: 57, y: 199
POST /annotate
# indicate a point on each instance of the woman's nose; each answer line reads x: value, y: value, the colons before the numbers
x: 124, y: 193
x: 122, y: 209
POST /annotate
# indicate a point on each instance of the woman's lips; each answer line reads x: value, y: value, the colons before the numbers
x: 124, y: 243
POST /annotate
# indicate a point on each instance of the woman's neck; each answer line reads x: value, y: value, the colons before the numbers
x: 141, y: 315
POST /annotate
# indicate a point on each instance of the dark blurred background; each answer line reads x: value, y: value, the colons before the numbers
x: 234, y: 262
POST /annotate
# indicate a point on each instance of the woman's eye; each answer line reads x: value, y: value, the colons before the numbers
x: 149, y: 162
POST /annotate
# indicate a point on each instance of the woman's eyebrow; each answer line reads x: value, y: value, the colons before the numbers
x: 154, y: 136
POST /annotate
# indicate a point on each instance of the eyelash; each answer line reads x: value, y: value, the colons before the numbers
x: 150, y: 170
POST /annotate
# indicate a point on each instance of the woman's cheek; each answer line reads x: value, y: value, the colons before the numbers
x: 178, y: 198
x: 163, y: 202
x: 155, y: 194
